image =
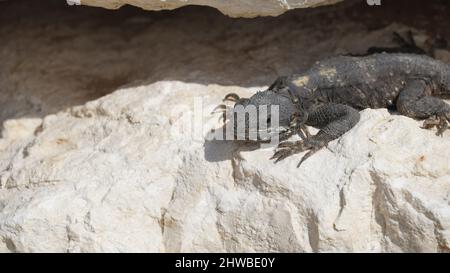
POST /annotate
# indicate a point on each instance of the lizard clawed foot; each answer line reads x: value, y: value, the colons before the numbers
x: 222, y: 108
x: 225, y: 109
x: 288, y: 148
x: 439, y: 121
x: 285, y: 134
x: 233, y: 97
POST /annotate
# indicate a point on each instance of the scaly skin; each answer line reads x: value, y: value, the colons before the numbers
x: 330, y: 95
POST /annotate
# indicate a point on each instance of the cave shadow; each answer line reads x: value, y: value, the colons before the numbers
x: 55, y: 56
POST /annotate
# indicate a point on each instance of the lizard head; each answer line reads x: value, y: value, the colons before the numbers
x: 263, y: 116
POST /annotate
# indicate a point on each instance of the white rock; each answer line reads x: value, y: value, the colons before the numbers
x: 126, y: 173
x: 233, y: 8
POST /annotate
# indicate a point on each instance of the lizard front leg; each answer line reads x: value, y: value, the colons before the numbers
x: 334, y: 120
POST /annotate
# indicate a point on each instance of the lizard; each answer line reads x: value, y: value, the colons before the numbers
x: 331, y: 93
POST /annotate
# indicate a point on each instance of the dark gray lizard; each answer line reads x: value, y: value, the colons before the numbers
x: 330, y: 95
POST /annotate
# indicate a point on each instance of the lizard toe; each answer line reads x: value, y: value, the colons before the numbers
x: 289, y: 148
x: 442, y: 127
x: 281, y: 155
x: 441, y: 122
x: 220, y: 108
x: 306, y: 156
x: 286, y: 144
x: 233, y: 97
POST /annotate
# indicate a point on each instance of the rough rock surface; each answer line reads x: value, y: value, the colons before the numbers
x: 84, y: 171
x: 233, y: 8
x: 123, y: 173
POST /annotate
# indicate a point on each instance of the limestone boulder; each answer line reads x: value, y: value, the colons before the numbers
x: 138, y: 170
